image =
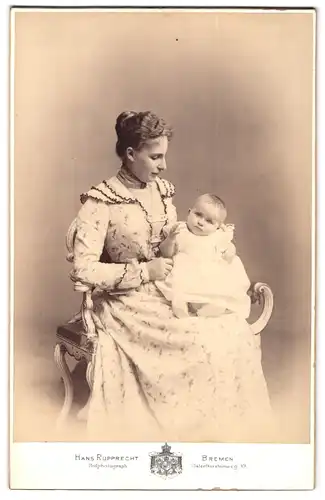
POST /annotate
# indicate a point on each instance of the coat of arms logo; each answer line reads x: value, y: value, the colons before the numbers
x: 165, y: 463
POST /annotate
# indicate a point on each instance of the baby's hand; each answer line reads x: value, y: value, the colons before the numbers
x: 175, y: 230
x: 230, y: 253
x: 168, y: 246
x: 229, y: 230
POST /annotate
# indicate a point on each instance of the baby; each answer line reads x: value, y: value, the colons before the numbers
x: 207, y: 278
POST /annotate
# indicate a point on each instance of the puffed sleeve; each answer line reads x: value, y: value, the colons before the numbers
x: 92, y: 224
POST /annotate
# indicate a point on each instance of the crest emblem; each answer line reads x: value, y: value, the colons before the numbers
x: 165, y: 463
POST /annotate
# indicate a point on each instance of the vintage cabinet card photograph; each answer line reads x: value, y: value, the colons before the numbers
x: 162, y: 206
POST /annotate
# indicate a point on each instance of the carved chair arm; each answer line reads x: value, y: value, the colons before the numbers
x: 261, y: 293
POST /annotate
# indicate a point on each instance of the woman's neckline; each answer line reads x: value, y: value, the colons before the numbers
x: 129, y: 180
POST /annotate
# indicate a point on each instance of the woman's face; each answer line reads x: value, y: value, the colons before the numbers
x: 150, y: 161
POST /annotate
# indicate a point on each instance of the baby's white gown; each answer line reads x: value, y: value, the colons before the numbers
x: 201, y: 275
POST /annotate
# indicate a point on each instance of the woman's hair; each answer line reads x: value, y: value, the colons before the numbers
x: 135, y: 129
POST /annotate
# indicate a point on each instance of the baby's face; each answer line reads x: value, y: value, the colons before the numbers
x: 204, y: 218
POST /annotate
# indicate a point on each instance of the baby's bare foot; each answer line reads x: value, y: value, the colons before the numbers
x: 210, y: 311
x: 180, y: 309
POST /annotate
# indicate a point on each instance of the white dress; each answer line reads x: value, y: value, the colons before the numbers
x: 201, y: 275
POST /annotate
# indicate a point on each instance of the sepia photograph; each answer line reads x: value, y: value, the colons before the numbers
x: 163, y: 227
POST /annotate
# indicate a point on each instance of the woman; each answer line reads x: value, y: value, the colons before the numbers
x: 157, y: 377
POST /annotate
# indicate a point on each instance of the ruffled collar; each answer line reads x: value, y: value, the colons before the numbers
x: 129, y: 180
x: 113, y: 191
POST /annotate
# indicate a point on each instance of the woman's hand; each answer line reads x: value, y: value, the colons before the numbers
x: 159, y: 268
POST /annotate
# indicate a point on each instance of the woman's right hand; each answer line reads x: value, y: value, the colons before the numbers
x: 159, y: 268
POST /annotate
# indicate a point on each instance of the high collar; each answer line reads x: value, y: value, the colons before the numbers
x: 129, y: 180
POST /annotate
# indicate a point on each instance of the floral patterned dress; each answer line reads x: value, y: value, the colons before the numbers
x: 158, y: 377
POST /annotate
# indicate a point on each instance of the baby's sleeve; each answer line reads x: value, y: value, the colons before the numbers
x: 224, y: 237
x: 229, y: 232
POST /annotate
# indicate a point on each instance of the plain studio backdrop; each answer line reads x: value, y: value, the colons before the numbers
x: 238, y: 90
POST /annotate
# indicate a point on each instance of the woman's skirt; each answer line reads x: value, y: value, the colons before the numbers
x: 161, y: 378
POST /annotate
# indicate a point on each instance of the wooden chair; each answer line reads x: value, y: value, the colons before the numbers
x: 77, y: 337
